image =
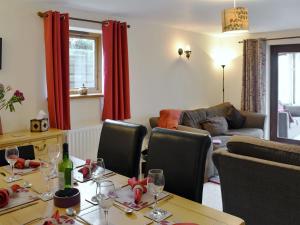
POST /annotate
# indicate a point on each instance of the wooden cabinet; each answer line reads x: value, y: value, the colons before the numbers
x: 40, y: 140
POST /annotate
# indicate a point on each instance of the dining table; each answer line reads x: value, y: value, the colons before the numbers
x: 183, y: 210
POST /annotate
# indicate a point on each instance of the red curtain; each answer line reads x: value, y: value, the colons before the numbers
x: 116, y: 71
x: 56, y: 31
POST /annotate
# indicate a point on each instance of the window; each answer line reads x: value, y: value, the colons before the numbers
x: 289, y: 78
x: 85, y: 61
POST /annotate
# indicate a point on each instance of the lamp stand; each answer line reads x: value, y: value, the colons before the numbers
x: 223, y: 67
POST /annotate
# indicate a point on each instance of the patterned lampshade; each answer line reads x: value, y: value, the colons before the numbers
x: 235, y: 20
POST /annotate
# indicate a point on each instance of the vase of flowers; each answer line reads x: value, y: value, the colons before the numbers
x: 9, y: 103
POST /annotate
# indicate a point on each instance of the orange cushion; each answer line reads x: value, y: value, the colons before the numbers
x: 169, y: 118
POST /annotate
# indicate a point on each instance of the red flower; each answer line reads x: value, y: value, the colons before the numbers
x: 19, y: 95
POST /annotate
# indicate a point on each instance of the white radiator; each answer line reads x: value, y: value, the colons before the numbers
x: 83, y: 142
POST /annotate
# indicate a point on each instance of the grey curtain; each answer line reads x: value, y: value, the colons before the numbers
x: 254, y: 76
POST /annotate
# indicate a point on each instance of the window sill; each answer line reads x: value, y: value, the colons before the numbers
x: 89, y: 95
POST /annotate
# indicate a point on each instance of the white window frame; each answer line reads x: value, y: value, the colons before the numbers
x: 98, y: 59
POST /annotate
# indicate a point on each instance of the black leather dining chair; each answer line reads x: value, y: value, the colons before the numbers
x: 120, y: 146
x: 182, y: 157
x: 25, y: 152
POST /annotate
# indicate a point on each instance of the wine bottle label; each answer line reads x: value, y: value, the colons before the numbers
x: 61, y: 180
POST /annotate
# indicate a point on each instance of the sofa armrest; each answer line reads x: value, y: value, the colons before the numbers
x: 283, y: 124
x: 153, y: 121
x: 193, y: 130
x: 254, y: 120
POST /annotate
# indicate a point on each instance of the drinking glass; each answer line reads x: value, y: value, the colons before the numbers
x: 156, y: 183
x: 54, y: 153
x: 106, y: 197
x: 46, y: 171
x: 97, y: 171
x: 11, y: 156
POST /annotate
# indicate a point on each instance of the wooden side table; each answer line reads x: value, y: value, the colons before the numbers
x: 40, y: 140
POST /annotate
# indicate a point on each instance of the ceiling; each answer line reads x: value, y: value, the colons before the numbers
x: 202, y: 16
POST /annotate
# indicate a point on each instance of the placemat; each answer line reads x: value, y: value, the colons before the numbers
x: 20, y: 171
x: 79, y: 176
x: 20, y: 198
x: 125, y: 197
x: 95, y: 216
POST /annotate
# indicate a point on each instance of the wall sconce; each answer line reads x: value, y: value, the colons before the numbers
x: 187, y: 51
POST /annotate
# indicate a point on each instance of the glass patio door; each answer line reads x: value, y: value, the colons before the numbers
x: 285, y: 93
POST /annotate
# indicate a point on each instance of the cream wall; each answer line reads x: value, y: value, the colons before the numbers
x: 159, y: 77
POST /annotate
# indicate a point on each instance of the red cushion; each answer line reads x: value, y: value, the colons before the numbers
x: 169, y: 118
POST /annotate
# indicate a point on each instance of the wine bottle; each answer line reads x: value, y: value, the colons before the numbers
x: 65, y: 170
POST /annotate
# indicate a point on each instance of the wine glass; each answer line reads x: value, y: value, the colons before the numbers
x: 97, y: 171
x: 46, y: 170
x: 54, y: 153
x: 156, y: 183
x: 106, y: 197
x: 11, y: 156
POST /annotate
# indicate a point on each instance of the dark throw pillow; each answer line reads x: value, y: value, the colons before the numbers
x: 215, y: 125
x: 235, y: 119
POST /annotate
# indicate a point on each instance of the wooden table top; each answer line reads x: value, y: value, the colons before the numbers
x: 183, y: 210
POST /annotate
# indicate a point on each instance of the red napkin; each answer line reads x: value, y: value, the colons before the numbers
x: 86, y: 169
x: 57, y: 219
x: 54, y: 219
x: 138, y: 187
x: 22, y: 163
x: 5, y: 193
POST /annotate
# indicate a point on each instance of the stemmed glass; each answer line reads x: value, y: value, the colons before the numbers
x: 46, y: 170
x: 11, y: 156
x: 54, y: 153
x: 97, y: 171
x: 106, y: 197
x: 156, y: 183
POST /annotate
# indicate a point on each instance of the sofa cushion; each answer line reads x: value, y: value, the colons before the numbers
x: 263, y: 149
x: 234, y: 118
x: 169, y: 118
x: 218, y: 110
x: 193, y: 118
x: 215, y: 125
x: 253, y: 132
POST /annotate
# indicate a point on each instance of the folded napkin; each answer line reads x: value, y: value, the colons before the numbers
x: 6, y: 193
x: 138, y: 187
x: 85, y: 170
x: 58, y: 219
x: 22, y: 163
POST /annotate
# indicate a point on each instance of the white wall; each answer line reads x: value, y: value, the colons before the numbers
x: 159, y: 77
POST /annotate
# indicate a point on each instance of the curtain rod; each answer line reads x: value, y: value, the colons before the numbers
x: 280, y: 38
x: 41, y: 14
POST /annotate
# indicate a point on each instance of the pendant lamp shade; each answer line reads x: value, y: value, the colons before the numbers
x: 235, y: 20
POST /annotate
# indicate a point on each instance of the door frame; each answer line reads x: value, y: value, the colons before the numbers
x: 274, y: 50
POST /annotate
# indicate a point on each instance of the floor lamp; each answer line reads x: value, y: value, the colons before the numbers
x: 223, y: 67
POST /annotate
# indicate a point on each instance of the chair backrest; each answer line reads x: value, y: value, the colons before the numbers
x: 182, y: 157
x: 120, y: 146
x: 257, y: 190
x: 25, y: 152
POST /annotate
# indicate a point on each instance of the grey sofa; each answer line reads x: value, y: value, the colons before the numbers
x: 260, y: 180
x: 191, y: 121
x: 289, y: 122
